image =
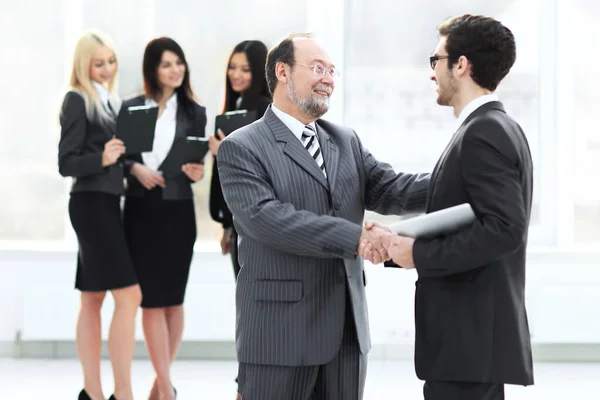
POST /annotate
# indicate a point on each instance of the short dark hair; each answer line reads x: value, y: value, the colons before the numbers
x: 152, y: 56
x: 283, y: 52
x: 256, y: 53
x: 487, y: 44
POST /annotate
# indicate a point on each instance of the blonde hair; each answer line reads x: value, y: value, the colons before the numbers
x: 81, y: 81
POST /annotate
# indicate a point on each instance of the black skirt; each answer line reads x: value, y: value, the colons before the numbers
x: 103, y: 261
x: 161, y: 235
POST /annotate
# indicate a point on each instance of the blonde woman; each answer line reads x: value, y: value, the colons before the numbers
x: 89, y: 152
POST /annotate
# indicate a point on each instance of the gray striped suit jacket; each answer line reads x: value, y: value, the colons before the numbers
x: 298, y: 234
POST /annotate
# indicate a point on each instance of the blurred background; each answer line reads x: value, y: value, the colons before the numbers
x: 381, y: 48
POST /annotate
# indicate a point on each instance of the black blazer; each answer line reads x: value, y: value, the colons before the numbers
x: 471, y: 323
x: 218, y: 208
x: 177, y: 187
x: 80, y: 149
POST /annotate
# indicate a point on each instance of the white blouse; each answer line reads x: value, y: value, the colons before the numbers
x: 164, y: 134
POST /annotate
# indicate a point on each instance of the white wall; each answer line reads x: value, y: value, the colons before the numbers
x: 39, y: 302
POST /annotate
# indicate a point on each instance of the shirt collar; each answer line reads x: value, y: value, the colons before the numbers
x: 172, y: 102
x: 102, y: 92
x: 292, y: 123
x: 474, y: 105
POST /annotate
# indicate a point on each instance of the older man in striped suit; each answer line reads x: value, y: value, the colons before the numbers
x: 298, y: 187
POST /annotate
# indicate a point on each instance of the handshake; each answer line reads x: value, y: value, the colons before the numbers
x: 377, y: 244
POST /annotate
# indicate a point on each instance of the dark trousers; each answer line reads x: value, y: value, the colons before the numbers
x: 343, y: 378
x: 462, y: 391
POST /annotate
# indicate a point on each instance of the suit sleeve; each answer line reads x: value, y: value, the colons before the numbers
x: 388, y: 192
x: 200, y: 121
x: 71, y: 158
x: 491, y: 174
x: 129, y: 159
x: 267, y: 220
x: 217, y: 206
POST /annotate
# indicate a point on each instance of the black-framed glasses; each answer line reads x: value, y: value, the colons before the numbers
x: 433, y: 60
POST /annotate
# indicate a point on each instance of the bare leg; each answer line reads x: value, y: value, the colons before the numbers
x: 121, y: 339
x: 89, y: 342
x: 156, y: 331
x: 174, y: 317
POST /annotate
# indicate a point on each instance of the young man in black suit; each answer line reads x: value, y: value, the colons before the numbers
x: 472, y: 334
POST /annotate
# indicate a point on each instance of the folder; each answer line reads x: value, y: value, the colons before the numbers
x: 135, y: 127
x: 437, y: 223
x: 191, y: 149
x: 232, y: 120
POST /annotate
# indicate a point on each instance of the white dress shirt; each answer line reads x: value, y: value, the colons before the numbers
x: 292, y: 123
x: 164, y: 134
x: 474, y: 105
x: 104, y: 95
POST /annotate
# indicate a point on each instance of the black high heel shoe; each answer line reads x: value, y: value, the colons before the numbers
x: 112, y: 397
x: 83, y: 395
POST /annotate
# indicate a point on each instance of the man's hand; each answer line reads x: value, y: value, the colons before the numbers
x: 370, y: 245
x: 225, y: 241
x: 400, y: 249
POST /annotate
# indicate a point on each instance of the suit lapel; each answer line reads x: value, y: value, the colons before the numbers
x: 293, y: 148
x: 493, y: 105
x: 181, y: 124
x: 438, y: 165
x: 331, y: 155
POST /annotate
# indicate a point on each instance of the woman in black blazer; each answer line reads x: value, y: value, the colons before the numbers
x: 159, y: 217
x: 89, y: 152
x: 245, y: 89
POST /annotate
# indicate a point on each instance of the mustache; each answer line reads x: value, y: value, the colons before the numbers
x: 326, y: 88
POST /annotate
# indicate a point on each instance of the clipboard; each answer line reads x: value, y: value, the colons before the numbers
x: 232, y: 120
x: 135, y: 127
x: 437, y: 223
x: 191, y: 149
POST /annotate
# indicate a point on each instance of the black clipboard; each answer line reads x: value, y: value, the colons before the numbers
x: 135, y: 127
x: 191, y: 149
x: 232, y: 120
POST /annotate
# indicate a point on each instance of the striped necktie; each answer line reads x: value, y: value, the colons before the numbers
x: 311, y: 144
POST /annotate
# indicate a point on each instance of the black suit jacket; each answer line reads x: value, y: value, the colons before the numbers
x: 177, y: 187
x: 219, y: 211
x: 471, y: 323
x: 81, y: 146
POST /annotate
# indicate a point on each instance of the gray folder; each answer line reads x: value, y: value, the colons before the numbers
x: 437, y: 223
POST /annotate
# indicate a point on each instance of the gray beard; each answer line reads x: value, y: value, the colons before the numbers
x: 314, y: 106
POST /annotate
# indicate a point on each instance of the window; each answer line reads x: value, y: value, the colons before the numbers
x: 390, y: 100
x: 35, y: 208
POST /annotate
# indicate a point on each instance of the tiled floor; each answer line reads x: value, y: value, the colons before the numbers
x: 60, y: 379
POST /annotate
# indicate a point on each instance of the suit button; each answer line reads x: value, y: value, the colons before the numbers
x: 337, y: 206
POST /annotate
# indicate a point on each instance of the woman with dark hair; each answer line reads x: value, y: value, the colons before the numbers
x: 159, y: 209
x: 245, y: 89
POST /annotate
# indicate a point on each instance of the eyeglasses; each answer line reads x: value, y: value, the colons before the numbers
x: 320, y: 70
x: 433, y: 60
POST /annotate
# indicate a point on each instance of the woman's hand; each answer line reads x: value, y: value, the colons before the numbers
x: 225, y: 241
x: 193, y: 171
x: 148, y: 178
x: 213, y: 142
x: 113, y: 149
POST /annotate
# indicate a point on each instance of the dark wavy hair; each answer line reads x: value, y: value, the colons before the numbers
x: 256, y: 53
x: 152, y: 56
x: 487, y: 44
